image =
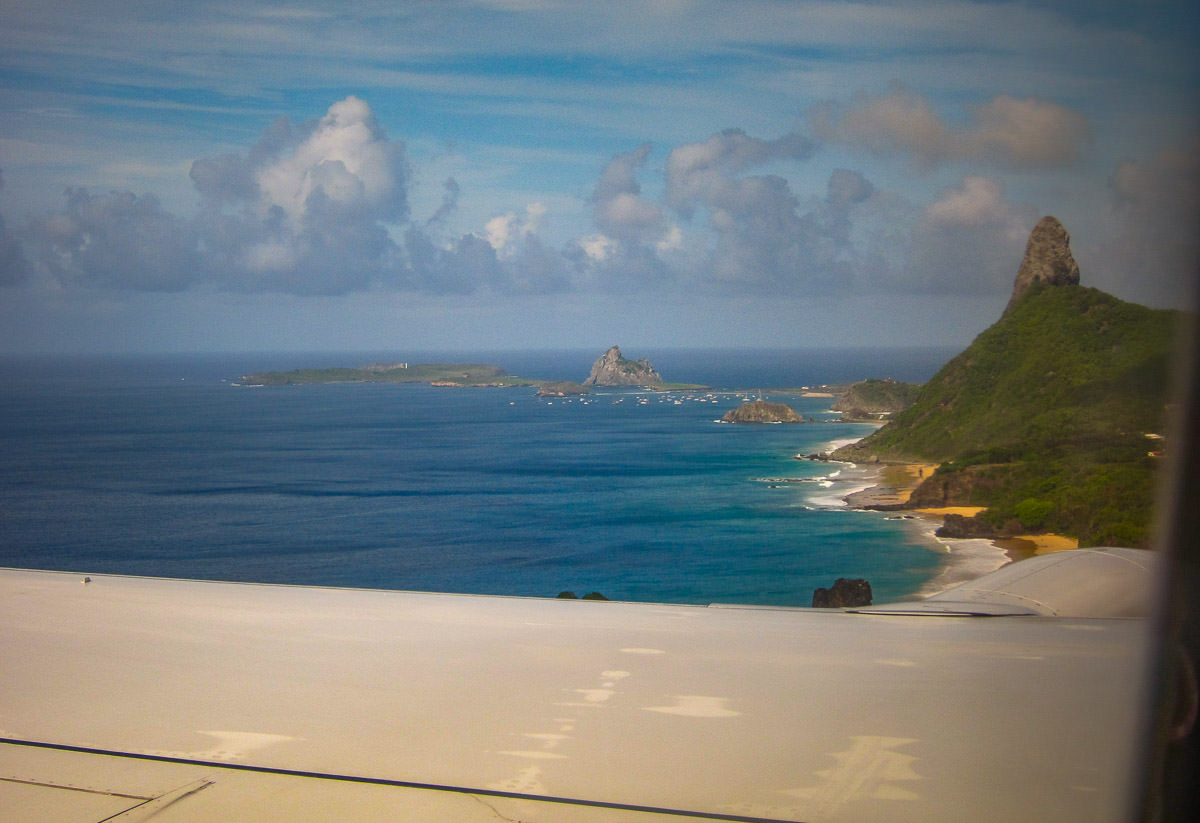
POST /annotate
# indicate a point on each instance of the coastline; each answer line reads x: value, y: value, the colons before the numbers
x: 894, y: 485
x: 968, y: 558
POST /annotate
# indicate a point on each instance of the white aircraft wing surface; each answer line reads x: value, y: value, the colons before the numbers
x: 131, y: 699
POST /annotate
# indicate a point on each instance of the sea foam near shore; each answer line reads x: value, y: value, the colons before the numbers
x: 962, y: 559
x: 835, y: 487
x: 843, y: 481
x: 966, y: 559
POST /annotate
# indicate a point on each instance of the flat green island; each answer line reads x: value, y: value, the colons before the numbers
x: 437, y: 374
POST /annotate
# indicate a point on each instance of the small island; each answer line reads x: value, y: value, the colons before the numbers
x: 762, y: 411
x: 436, y: 374
x: 562, y: 388
x: 614, y: 369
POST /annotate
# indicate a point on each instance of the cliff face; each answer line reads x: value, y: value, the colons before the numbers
x: 760, y: 411
x: 612, y: 369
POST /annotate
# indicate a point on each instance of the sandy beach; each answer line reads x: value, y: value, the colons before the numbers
x: 971, y: 557
x: 898, y: 481
x: 1031, y: 545
x: 893, y: 487
x: 939, y: 513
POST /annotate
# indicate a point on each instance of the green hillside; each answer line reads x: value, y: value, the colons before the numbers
x: 1044, y: 418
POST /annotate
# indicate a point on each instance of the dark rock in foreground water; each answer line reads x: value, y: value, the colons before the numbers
x: 846, y: 593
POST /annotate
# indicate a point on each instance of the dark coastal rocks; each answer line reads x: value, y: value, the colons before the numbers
x: 846, y: 593
x: 1047, y: 260
x: 855, y: 453
x: 958, y: 487
x: 960, y: 526
x: 612, y: 369
x: 761, y: 411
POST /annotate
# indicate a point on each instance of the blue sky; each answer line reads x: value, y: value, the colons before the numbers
x: 205, y: 176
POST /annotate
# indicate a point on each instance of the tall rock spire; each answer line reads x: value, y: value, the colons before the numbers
x: 613, y: 369
x: 1047, y: 260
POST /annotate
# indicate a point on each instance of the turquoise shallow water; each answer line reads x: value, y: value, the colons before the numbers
x: 164, y: 467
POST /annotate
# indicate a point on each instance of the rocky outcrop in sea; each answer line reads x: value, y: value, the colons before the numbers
x: 613, y: 369
x: 847, y: 593
x: 761, y: 411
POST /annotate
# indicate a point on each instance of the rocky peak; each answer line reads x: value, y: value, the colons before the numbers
x: 612, y: 369
x: 1047, y: 260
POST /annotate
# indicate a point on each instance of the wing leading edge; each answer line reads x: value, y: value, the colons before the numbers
x: 176, y: 700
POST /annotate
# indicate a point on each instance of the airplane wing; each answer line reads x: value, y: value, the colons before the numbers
x: 136, y: 699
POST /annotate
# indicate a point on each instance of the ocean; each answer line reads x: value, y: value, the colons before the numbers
x: 164, y: 466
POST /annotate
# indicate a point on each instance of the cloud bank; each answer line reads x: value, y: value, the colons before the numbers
x: 1005, y: 132
x: 322, y: 208
x: 1156, y: 207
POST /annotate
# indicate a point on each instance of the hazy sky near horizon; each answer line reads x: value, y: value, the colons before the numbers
x: 207, y: 176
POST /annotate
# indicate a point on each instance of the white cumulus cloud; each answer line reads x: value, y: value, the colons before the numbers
x: 346, y: 158
x: 307, y: 210
x: 968, y: 241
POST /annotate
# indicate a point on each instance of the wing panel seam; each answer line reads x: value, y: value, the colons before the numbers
x: 387, y: 781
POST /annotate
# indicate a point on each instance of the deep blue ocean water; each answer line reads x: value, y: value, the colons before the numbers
x: 163, y: 466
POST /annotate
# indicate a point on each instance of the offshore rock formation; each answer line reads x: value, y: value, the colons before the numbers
x: 1047, y: 260
x: 760, y: 411
x: 614, y: 370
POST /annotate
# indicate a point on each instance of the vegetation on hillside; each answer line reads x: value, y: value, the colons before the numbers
x: 1045, y: 418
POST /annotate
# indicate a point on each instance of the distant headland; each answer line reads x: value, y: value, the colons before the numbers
x: 1052, y: 420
